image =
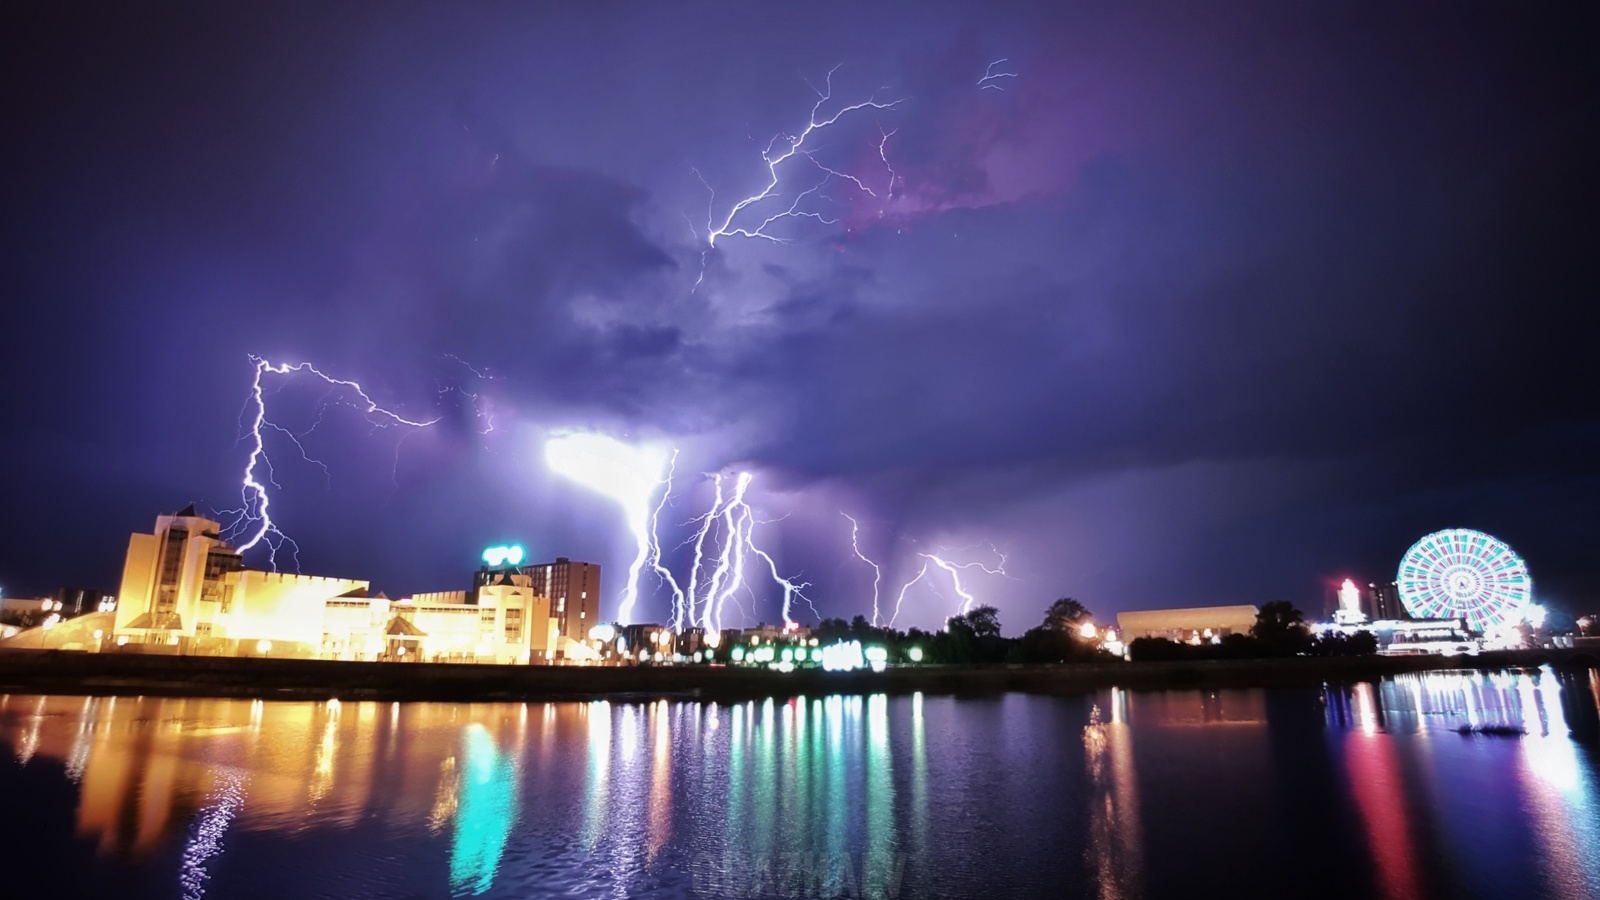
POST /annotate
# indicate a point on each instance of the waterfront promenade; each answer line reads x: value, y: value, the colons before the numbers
x: 54, y: 672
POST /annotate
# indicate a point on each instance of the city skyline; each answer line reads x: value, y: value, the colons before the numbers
x: 1166, y: 308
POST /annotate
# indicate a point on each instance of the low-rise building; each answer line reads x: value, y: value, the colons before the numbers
x: 185, y: 591
x: 1188, y: 625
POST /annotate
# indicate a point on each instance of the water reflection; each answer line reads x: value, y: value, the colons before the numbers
x: 1489, y: 750
x: 1115, y: 847
x: 485, y: 809
x: 875, y: 796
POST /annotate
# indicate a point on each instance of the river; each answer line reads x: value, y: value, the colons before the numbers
x: 1367, y: 790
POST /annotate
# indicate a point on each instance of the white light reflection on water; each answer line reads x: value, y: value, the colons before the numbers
x: 1114, y: 849
x: 598, y: 779
x: 205, y: 837
x: 1562, y: 791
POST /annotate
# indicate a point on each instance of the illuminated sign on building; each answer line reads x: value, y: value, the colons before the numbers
x: 494, y: 557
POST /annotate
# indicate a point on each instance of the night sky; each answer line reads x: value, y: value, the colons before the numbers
x: 1211, y: 303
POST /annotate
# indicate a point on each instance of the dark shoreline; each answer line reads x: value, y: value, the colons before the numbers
x: 54, y: 672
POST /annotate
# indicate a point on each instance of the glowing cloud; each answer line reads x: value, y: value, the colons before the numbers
x: 628, y: 474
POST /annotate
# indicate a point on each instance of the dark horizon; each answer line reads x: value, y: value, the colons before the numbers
x: 1189, y: 306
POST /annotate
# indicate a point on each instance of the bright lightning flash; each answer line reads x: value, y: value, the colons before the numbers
x: 877, y: 573
x: 723, y: 540
x: 626, y: 473
x: 732, y: 522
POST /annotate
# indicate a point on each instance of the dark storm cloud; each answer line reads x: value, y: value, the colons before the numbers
x: 1209, y: 304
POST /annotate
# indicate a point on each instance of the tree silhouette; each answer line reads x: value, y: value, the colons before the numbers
x: 1282, y: 627
x: 984, y: 621
x: 1066, y: 614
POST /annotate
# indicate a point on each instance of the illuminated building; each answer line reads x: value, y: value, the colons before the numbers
x: 185, y: 591
x: 77, y: 601
x: 1383, y: 602
x: 1191, y: 625
x: 1349, y: 611
x: 25, y: 610
x: 645, y: 642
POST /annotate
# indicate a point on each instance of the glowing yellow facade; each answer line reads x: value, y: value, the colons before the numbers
x: 185, y: 591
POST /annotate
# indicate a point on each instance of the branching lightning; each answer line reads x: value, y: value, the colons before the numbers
x: 991, y: 79
x: 743, y: 219
x: 252, y: 522
x: 729, y: 528
x: 482, y: 410
x: 722, y: 543
x: 877, y: 573
x: 955, y: 570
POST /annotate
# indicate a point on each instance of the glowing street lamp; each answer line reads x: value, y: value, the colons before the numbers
x: 1086, y: 630
x: 914, y: 654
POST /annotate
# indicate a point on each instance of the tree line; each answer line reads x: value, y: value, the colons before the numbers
x: 974, y: 637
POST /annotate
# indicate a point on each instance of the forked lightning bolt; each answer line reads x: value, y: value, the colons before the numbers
x: 742, y: 220
x: 955, y: 570
x: 656, y: 564
x: 252, y: 522
x: 722, y: 542
x: 991, y: 79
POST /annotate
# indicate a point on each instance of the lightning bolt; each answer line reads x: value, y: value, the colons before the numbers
x: 678, y: 606
x: 883, y: 154
x: 706, y: 522
x: 252, y: 522
x: 739, y: 541
x: 731, y: 557
x: 954, y: 570
x: 877, y: 573
x: 991, y: 79
x: 791, y: 590
x: 780, y: 150
x: 899, y: 601
x: 482, y: 410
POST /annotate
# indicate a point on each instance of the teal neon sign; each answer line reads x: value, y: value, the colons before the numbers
x: 503, y: 556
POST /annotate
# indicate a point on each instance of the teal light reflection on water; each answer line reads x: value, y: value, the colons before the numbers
x: 485, y: 812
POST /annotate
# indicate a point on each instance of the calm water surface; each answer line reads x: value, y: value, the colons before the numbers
x: 1364, y: 791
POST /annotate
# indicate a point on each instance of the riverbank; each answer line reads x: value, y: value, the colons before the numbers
x: 52, y: 672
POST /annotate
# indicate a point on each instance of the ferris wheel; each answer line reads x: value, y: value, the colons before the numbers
x: 1464, y: 574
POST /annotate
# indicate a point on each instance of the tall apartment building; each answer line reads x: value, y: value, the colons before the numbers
x: 574, y: 592
x: 1383, y: 602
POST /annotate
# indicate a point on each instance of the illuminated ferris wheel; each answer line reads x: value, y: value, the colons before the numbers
x: 1464, y: 574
